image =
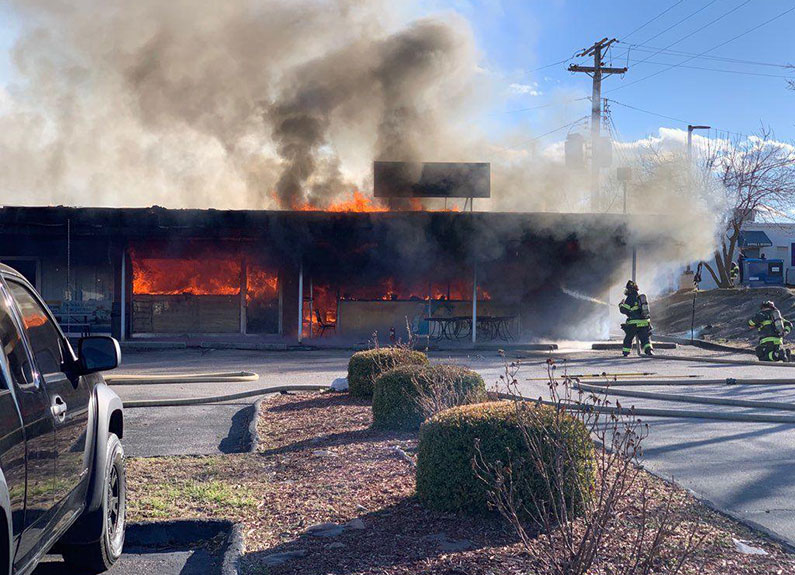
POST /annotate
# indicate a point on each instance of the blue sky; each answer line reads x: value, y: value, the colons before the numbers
x: 517, y: 37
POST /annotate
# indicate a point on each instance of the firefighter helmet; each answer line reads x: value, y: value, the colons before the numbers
x: 631, y: 286
x: 768, y: 305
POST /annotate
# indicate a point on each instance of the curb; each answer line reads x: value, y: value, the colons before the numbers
x: 186, y: 533
x: 789, y: 546
x: 152, y: 345
x: 253, y: 434
x: 241, y: 345
x: 174, y: 532
x: 235, y: 547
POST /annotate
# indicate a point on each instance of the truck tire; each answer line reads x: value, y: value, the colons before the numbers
x: 110, y: 518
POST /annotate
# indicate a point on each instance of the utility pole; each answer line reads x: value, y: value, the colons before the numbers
x: 597, y: 71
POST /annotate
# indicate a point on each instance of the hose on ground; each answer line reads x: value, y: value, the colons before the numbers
x: 650, y: 412
x: 140, y: 379
x: 172, y: 402
x: 694, y: 381
x: 704, y: 359
x: 607, y: 390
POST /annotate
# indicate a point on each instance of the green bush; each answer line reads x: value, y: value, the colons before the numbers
x: 365, y: 366
x: 405, y: 396
x: 447, y: 481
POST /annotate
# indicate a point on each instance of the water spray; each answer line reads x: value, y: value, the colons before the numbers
x: 582, y: 296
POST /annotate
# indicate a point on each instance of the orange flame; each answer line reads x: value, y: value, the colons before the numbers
x: 213, y: 273
x: 358, y: 202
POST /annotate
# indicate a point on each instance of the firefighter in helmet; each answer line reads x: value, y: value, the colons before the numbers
x: 638, y: 324
x: 772, y: 328
x: 734, y: 272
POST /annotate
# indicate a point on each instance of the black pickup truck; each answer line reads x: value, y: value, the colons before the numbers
x: 62, y: 481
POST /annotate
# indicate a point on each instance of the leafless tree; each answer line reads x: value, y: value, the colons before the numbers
x: 757, y: 176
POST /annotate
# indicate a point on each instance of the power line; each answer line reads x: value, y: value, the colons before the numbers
x: 785, y: 12
x: 553, y: 64
x: 697, y: 30
x: 649, y: 112
x: 680, y: 21
x: 671, y: 7
x: 558, y: 129
x: 708, y: 57
x: 741, y: 72
x: 680, y: 120
x: 540, y: 106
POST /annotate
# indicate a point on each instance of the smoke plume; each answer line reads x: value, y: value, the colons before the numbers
x: 283, y: 104
x: 226, y: 104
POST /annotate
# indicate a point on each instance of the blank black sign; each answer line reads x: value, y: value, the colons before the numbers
x: 432, y: 180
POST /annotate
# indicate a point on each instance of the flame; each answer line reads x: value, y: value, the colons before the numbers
x: 212, y: 272
x: 358, y: 202
x: 261, y: 284
x: 324, y: 297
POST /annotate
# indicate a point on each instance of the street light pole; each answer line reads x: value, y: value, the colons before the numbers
x: 690, y: 129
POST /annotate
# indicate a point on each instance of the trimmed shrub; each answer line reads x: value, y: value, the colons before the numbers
x: 365, y: 366
x: 447, y: 481
x: 406, y: 396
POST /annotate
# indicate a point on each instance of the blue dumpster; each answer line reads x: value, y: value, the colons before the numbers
x: 762, y: 272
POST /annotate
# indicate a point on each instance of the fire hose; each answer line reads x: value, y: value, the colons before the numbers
x: 138, y: 379
x: 652, y: 412
x: 224, y: 377
x: 172, y: 402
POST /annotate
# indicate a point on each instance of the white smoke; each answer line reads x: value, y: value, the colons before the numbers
x: 250, y: 104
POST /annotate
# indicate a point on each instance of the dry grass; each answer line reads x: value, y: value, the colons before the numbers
x: 319, y: 461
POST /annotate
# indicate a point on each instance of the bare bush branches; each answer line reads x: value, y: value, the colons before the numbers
x: 583, y: 517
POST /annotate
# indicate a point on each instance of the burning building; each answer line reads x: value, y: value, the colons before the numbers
x: 155, y: 272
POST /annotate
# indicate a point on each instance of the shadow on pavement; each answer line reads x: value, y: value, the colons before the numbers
x: 167, y: 548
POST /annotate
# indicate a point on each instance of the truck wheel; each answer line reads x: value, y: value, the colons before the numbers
x: 111, y: 517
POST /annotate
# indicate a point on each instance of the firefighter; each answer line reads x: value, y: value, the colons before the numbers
x: 734, y: 271
x: 638, y: 323
x: 772, y: 329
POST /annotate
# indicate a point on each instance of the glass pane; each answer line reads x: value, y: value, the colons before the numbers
x: 14, y: 349
x: 44, y: 337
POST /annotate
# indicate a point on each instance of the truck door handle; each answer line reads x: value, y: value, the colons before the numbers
x: 58, y: 408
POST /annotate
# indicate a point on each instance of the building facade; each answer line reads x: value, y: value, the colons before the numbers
x: 160, y: 273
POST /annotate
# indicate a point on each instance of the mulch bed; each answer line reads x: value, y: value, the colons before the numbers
x: 319, y: 462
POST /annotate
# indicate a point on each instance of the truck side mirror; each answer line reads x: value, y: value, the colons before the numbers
x: 98, y: 353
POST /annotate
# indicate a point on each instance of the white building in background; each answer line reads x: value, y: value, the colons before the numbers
x: 773, y: 241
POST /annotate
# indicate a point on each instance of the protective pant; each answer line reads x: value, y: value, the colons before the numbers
x: 771, y: 352
x: 642, y: 333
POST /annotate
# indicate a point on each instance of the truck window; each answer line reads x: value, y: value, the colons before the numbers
x: 14, y: 349
x: 42, y: 333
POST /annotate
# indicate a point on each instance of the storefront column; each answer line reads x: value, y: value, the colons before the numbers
x: 474, y: 303
x: 300, y: 302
